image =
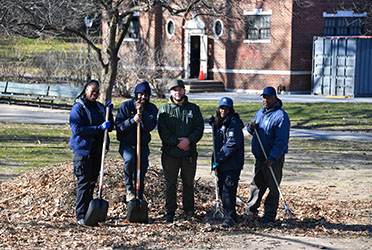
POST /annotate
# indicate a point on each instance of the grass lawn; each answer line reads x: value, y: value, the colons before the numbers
x: 351, y: 117
x: 26, y: 146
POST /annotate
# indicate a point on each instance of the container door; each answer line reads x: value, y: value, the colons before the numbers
x: 345, y: 54
x: 322, y: 66
x: 334, y: 61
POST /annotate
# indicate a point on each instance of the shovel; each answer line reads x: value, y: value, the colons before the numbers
x: 287, y: 210
x: 97, y: 210
x: 216, y: 215
x: 137, y: 208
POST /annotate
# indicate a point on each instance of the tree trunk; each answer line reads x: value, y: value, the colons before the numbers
x: 109, y: 56
x: 109, y: 74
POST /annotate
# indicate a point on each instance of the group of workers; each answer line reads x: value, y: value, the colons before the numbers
x: 180, y: 125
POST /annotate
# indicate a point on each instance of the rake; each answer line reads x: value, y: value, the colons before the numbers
x: 287, y: 210
x: 217, y: 214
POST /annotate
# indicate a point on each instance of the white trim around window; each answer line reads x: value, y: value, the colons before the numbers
x: 172, y: 32
x: 260, y: 39
x: 344, y: 13
x: 257, y: 12
x: 214, y: 28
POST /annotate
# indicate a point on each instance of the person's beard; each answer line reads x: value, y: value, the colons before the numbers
x: 142, y: 100
x: 179, y: 98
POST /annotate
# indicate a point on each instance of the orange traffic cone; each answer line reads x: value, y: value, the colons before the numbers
x: 201, y: 73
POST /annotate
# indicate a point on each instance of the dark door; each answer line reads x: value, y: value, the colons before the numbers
x: 195, y: 57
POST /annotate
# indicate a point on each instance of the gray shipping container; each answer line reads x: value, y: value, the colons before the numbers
x: 342, y: 66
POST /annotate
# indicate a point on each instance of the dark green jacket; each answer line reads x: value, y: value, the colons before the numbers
x: 176, y: 121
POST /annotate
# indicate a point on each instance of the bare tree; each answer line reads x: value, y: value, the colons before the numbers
x: 36, y: 18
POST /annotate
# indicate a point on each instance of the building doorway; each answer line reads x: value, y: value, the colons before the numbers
x: 194, y: 56
x: 196, y: 48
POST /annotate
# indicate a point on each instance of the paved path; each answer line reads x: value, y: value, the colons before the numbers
x: 22, y: 114
x: 244, y: 97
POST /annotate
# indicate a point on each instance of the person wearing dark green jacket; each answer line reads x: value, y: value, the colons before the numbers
x: 180, y: 126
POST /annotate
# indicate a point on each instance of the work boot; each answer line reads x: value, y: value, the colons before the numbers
x: 251, y: 215
x: 81, y: 222
x: 130, y: 196
x: 169, y: 218
x: 265, y: 220
x: 189, y: 215
x: 227, y: 223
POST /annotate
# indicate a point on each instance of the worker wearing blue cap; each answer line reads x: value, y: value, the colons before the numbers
x: 229, y: 156
x: 272, y: 124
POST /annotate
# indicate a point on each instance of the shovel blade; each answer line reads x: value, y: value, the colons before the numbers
x: 97, y: 212
x: 138, y: 211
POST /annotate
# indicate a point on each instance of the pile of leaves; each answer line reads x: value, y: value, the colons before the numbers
x: 37, y: 211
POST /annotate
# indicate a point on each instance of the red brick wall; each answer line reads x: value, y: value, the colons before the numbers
x: 290, y: 48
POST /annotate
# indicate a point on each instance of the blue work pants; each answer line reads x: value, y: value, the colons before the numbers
x: 263, y: 179
x: 228, y: 186
x: 129, y: 154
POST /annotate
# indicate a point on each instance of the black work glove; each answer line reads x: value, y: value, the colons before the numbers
x: 211, y: 120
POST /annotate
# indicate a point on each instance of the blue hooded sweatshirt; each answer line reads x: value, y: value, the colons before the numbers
x: 273, y: 128
x: 126, y: 127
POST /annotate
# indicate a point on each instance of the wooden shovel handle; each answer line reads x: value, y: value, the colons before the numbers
x: 138, y: 154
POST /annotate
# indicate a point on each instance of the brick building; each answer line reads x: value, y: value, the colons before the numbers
x: 268, y: 43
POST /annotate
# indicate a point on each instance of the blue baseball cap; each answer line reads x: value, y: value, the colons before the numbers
x: 269, y: 91
x: 226, y: 101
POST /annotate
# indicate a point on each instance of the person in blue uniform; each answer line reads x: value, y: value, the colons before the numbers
x: 126, y: 126
x: 272, y: 125
x: 229, y: 156
x: 87, y: 121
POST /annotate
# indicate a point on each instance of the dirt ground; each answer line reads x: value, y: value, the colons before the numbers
x: 334, y: 174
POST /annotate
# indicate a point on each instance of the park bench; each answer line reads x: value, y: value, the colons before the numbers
x: 39, y: 92
x: 62, y: 93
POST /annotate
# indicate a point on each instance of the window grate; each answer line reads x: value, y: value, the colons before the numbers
x: 258, y: 27
x: 343, y: 26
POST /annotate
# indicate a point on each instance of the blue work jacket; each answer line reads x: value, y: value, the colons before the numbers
x: 126, y: 127
x: 273, y: 128
x: 83, y: 128
x: 229, y: 143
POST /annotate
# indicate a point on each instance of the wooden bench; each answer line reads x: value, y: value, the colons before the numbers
x: 40, y: 92
x: 25, y: 91
x: 62, y: 93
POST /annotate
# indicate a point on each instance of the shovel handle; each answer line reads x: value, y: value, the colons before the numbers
x: 103, y: 155
x: 138, y: 183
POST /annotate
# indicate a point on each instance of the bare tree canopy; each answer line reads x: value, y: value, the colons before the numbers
x: 37, y: 18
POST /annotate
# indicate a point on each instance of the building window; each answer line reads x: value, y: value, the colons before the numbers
x: 218, y: 28
x: 257, y: 26
x: 133, y: 29
x: 344, y: 23
x: 170, y: 28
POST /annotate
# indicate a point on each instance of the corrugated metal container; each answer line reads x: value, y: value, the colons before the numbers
x: 342, y: 66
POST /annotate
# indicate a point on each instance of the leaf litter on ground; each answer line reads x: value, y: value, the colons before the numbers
x: 37, y: 211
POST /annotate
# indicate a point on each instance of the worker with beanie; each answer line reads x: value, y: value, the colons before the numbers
x: 228, y: 156
x: 130, y: 113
